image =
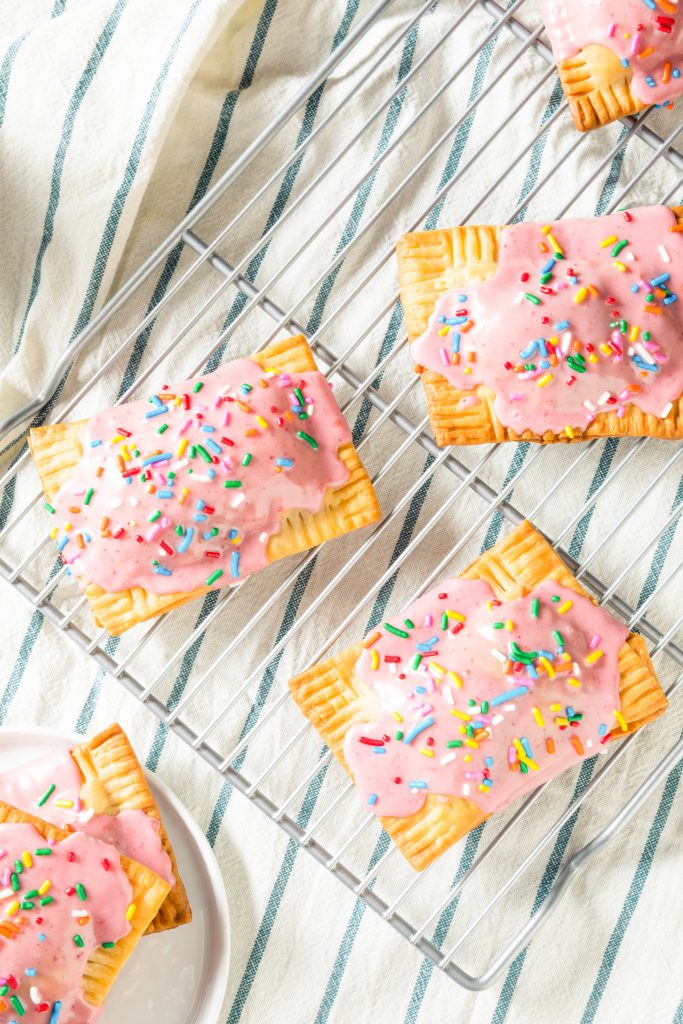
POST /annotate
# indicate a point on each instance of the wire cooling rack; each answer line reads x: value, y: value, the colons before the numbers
x: 216, y: 674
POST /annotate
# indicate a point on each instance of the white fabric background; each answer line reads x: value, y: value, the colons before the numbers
x: 90, y: 181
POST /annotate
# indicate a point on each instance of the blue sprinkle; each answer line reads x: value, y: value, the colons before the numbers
x: 284, y: 462
x: 235, y: 564
x: 562, y: 325
x: 161, y: 570
x: 417, y: 784
x: 635, y: 288
x: 545, y: 654
x: 95, y: 444
x: 156, y: 412
x: 379, y: 750
x: 212, y: 446
x: 487, y: 782
x: 502, y: 697
x: 462, y: 298
x: 199, y: 517
x: 547, y: 267
x: 157, y: 458
x: 211, y: 473
x: 156, y: 400
x: 675, y: 73
x: 201, y: 505
x: 455, y: 343
x: 233, y: 534
x: 41, y: 938
x: 662, y: 279
x: 208, y: 429
x: 488, y: 761
x: 478, y: 725
x: 186, y: 541
x: 544, y: 364
x: 164, y: 494
x: 529, y: 350
x: 86, y: 536
x: 650, y: 81
x: 417, y: 729
x: 420, y: 689
x: 57, y: 1008
x: 372, y: 799
x: 527, y: 746
x: 570, y: 712
x: 30, y: 972
x: 208, y: 535
x: 624, y: 62
x: 670, y: 299
x: 531, y: 671
x: 542, y: 347
x: 63, y: 543
x: 602, y: 730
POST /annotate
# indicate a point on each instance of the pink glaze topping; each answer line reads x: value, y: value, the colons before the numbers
x: 482, y: 699
x: 50, y: 787
x: 185, y: 489
x: 647, y: 36
x: 580, y: 317
x: 56, y: 911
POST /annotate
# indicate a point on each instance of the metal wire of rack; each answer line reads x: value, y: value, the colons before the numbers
x: 211, y: 676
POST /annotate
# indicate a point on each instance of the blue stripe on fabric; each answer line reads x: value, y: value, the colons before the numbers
x: 17, y: 673
x: 678, y: 1015
x: 6, y: 71
x: 538, y: 150
x: 84, y: 82
x: 634, y: 893
x: 661, y: 551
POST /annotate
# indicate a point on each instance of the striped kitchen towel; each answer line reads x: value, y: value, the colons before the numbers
x: 116, y: 117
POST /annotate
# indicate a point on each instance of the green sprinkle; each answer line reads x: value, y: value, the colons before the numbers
x: 18, y: 867
x: 399, y: 734
x: 4, y: 990
x: 154, y: 516
x: 50, y: 507
x: 535, y: 605
x: 14, y: 882
x: 46, y: 795
x: 81, y: 892
x: 204, y: 454
x: 453, y: 743
x: 416, y: 662
x: 299, y: 396
x: 162, y: 429
x: 198, y: 386
x: 247, y: 459
x: 396, y: 632
x: 650, y: 297
x: 32, y: 895
x: 192, y: 452
x: 469, y: 731
x: 246, y: 388
x: 524, y: 768
x: 214, y: 531
x: 307, y: 438
x: 409, y: 624
x: 214, y: 576
x: 179, y: 531
x: 444, y: 621
x: 471, y: 702
x: 88, y: 495
x: 18, y: 1005
x: 108, y: 945
x: 623, y: 326
x: 498, y: 625
x: 78, y: 941
x: 546, y: 277
x: 484, y: 706
x: 43, y: 851
x: 532, y: 298
x: 555, y: 597
x: 558, y: 638
x: 646, y: 335
x: 27, y: 905
x: 46, y: 901
x: 619, y: 246
x: 232, y: 483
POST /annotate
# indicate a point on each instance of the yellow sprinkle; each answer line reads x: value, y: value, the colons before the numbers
x: 606, y: 350
x: 115, y: 440
x: 374, y: 660
x: 483, y: 788
x: 67, y: 526
x: 509, y: 625
x: 26, y: 859
x: 548, y: 667
x: 45, y: 887
x: 546, y: 229
x: 397, y: 716
x: 545, y: 379
x: 561, y: 720
x: 555, y: 244
x: 593, y: 657
x: 581, y: 295
x: 467, y: 758
x: 461, y: 714
x: 12, y: 909
x: 130, y: 912
x: 608, y: 241
x: 538, y: 717
x: 439, y: 670
x: 555, y: 707
x: 621, y: 720
x: 53, y: 533
x: 443, y: 331
x: 455, y: 678
x: 635, y: 331
x: 261, y: 422
x: 532, y: 764
x: 456, y: 615
x: 427, y: 752
x: 472, y: 743
x: 618, y: 265
x: 125, y: 453
x: 592, y: 358
x: 565, y: 607
x: 181, y: 447
x: 468, y: 369
x: 63, y: 803
x: 574, y: 682
x: 462, y: 730
x: 520, y: 750
x: 568, y: 431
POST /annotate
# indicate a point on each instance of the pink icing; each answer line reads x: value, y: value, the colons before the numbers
x: 593, y: 343
x: 275, y: 436
x: 431, y: 688
x: 636, y: 30
x: 44, y: 945
x: 132, y: 833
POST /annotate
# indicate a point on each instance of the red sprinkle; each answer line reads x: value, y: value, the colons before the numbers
x: 167, y: 547
x: 368, y: 742
x: 105, y: 864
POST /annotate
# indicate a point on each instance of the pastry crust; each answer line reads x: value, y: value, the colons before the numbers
x: 597, y: 87
x: 57, y: 448
x: 433, y: 262
x: 149, y: 892
x: 333, y: 699
x: 113, y: 781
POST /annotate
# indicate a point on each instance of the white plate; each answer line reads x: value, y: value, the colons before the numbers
x: 175, y: 977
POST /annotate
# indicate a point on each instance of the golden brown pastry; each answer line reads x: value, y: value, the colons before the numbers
x: 478, y: 692
x: 548, y: 332
x: 157, y: 502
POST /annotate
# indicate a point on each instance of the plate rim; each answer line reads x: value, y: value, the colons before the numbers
x: 209, y: 860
